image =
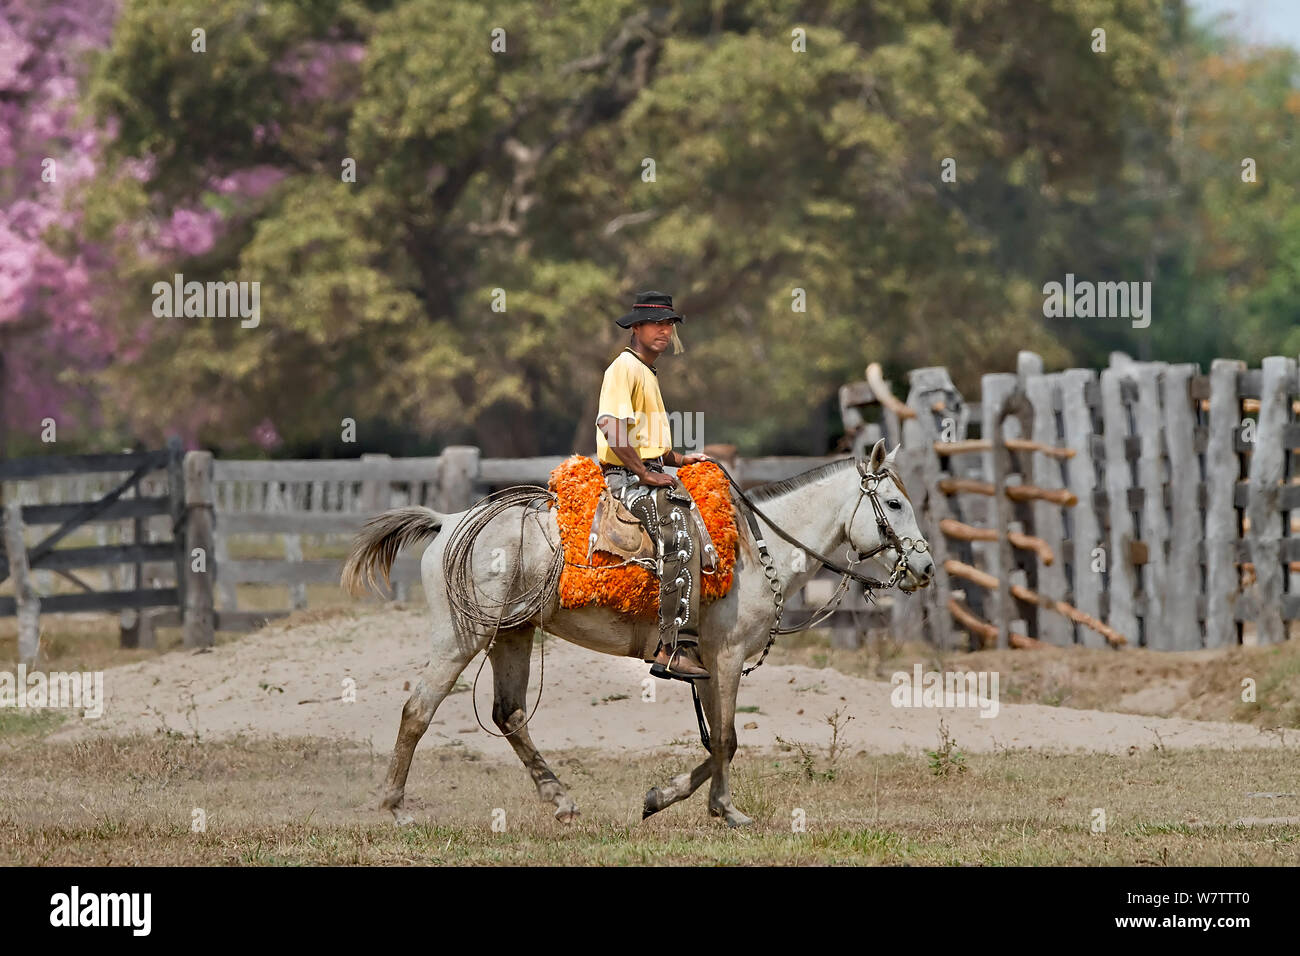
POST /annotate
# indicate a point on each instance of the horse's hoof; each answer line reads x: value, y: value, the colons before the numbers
x: 567, y: 814
x: 402, y: 818
x: 652, y: 803
x: 732, y: 816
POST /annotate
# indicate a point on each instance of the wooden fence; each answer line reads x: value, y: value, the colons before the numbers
x: 1146, y: 505
x: 289, y: 499
x: 205, y: 504
x: 138, y: 488
x: 1149, y: 505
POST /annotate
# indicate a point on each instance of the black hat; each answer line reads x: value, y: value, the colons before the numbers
x: 650, y: 307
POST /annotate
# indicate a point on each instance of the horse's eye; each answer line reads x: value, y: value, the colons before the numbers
x: 895, y: 504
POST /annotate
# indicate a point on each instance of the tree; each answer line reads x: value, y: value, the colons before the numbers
x: 51, y: 335
x: 501, y: 154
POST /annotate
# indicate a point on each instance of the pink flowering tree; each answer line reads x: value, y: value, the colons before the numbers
x: 51, y: 336
x: 92, y: 210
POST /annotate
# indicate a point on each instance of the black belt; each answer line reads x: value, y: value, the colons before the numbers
x: 657, y: 460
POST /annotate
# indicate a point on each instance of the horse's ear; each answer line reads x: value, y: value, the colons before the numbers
x: 877, y: 458
x: 892, y: 458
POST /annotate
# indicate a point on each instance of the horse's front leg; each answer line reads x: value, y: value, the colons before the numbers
x: 722, y: 719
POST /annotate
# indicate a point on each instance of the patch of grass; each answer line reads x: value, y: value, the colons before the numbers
x: 1277, y: 690
x: 308, y: 801
x: 23, y: 723
x: 1198, y: 685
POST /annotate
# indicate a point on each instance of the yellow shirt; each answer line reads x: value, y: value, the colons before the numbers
x: 630, y: 393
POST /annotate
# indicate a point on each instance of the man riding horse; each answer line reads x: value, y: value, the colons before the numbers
x: 633, y: 444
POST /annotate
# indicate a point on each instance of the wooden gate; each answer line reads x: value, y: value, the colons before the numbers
x: 124, y: 501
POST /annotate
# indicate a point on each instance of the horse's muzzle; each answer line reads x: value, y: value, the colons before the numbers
x: 912, y: 581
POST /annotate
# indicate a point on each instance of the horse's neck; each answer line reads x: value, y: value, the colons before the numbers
x: 811, y: 515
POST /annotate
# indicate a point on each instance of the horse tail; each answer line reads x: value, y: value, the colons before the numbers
x: 378, y: 543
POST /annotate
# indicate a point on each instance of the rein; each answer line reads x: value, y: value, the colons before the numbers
x: 888, y: 539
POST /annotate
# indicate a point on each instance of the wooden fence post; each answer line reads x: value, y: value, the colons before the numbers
x: 131, y: 620
x: 921, y: 473
x: 29, y: 605
x: 293, y: 555
x: 457, y: 478
x: 1122, y: 575
x: 198, y: 615
x: 280, y: 501
x: 996, y: 390
x: 375, y: 491
x: 1184, y: 572
x: 1148, y: 417
x: 376, y: 496
x: 176, y: 512
x: 1085, y: 529
x: 1267, y: 470
x: 1222, y: 469
x: 1046, y: 472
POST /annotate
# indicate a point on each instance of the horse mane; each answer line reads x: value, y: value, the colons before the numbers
x: 777, y: 488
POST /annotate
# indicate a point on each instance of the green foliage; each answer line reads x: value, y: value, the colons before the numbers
x: 775, y: 171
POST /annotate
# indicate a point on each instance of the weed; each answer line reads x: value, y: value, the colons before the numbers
x: 947, y: 759
x: 836, y: 748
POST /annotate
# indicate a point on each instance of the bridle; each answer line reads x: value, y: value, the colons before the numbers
x: 888, y: 537
x: 869, y: 486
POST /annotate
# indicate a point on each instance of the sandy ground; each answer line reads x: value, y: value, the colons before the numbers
x: 290, y: 680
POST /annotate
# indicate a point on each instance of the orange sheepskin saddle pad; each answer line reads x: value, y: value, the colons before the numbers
x: 632, y: 589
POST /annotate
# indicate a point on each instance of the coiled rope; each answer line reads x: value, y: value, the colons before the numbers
x: 468, y: 604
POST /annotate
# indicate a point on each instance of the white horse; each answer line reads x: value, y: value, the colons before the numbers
x: 816, y: 507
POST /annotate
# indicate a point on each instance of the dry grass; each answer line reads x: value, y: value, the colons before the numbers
x: 1198, y: 685
x: 303, y: 801
x: 297, y: 801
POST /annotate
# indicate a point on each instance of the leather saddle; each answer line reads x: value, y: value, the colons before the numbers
x: 616, y: 530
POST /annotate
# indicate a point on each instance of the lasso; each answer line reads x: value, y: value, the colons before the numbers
x: 468, y: 605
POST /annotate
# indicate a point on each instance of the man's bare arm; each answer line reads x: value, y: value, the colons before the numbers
x: 628, y: 455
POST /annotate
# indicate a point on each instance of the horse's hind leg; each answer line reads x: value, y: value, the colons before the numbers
x: 510, y: 663
x: 430, y: 690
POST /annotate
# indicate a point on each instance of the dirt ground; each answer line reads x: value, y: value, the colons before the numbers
x: 256, y: 737
x: 291, y: 680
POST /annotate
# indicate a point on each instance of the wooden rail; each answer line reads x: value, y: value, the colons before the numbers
x: 1025, y: 542
x: 971, y: 486
x: 1013, y: 444
x: 1022, y: 593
